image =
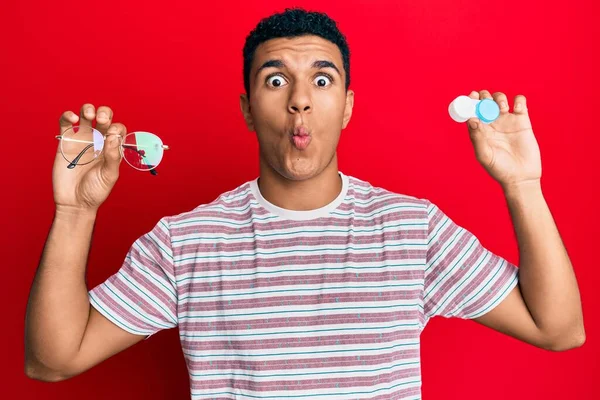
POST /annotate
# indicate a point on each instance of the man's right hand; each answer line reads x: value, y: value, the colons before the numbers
x: 64, y: 334
x: 85, y: 187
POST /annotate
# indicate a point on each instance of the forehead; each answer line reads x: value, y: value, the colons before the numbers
x: 300, y: 51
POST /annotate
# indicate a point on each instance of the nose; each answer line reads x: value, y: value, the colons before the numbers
x: 300, y: 100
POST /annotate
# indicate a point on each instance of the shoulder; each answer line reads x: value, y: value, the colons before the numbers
x: 228, y: 204
x: 363, y: 191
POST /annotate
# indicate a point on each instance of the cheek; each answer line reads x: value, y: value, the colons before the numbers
x: 268, y: 112
x: 331, y: 104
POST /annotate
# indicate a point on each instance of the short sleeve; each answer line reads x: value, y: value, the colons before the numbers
x: 462, y: 278
x: 141, y: 297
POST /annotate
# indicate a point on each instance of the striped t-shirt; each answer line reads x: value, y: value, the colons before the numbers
x: 322, y: 304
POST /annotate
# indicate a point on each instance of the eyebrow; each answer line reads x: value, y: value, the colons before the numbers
x: 319, y: 64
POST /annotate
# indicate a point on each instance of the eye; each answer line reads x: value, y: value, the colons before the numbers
x: 323, y: 80
x: 276, y: 81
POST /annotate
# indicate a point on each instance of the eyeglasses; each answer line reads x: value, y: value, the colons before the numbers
x: 81, y: 145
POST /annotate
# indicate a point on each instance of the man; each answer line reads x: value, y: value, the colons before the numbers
x: 304, y: 281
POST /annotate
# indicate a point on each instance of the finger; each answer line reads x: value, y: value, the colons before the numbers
x: 87, y: 115
x: 520, y: 104
x: 473, y: 124
x: 500, y: 98
x: 484, y: 94
x: 112, y: 149
x: 66, y: 121
x: 104, y: 118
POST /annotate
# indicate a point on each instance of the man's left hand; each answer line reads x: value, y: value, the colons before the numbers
x: 507, y: 147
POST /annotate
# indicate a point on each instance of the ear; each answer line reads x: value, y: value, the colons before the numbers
x: 348, y: 108
x: 245, y: 106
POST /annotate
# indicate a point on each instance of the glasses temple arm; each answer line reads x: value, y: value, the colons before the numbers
x: 73, y: 163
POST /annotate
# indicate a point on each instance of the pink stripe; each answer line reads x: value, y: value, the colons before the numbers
x: 285, y: 242
x: 148, y: 245
x: 259, y: 262
x: 296, y: 342
x: 304, y: 363
x: 296, y: 300
x: 305, y: 384
x: 270, y: 225
x: 198, y: 325
x: 399, y: 394
x: 149, y: 258
x: 143, y: 283
x: 163, y: 239
x: 319, y: 279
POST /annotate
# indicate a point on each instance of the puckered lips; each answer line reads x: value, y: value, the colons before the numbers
x: 300, y: 137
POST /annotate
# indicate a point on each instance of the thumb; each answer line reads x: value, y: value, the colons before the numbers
x: 475, y: 129
x: 473, y: 123
x: 112, y: 155
x: 483, y: 152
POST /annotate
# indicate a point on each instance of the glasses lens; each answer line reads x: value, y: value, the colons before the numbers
x: 142, y: 150
x: 81, y: 144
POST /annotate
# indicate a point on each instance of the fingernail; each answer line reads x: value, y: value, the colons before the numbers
x: 102, y: 115
x: 473, y: 124
x: 502, y: 104
x: 473, y: 93
x: 518, y: 107
x: 89, y: 111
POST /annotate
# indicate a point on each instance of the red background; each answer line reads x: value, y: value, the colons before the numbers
x: 176, y: 69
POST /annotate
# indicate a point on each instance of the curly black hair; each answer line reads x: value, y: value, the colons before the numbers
x: 291, y: 23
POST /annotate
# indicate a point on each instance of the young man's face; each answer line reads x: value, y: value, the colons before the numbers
x: 298, y: 104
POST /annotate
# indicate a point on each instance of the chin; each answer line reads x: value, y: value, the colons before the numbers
x: 300, y: 171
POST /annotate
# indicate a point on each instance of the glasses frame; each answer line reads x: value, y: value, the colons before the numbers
x: 74, y: 162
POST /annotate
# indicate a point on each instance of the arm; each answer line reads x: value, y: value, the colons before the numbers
x: 64, y: 335
x: 545, y: 308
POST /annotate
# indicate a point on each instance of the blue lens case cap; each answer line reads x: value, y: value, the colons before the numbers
x: 487, y: 110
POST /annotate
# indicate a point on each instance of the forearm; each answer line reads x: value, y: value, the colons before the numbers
x: 58, y: 307
x: 546, y: 276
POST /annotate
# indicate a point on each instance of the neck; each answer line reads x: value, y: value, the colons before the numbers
x: 300, y: 195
